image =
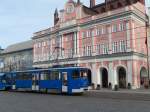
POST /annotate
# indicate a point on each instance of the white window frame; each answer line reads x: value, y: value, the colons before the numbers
x: 83, y: 34
x: 98, y: 49
x: 89, y: 50
x: 70, y: 9
x: 84, y: 51
x: 114, y: 28
x: 98, y: 31
x: 115, y: 47
x: 122, y: 46
x: 88, y: 33
x: 103, y: 30
x: 121, y: 26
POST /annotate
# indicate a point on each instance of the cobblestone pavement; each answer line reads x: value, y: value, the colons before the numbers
x: 35, y: 102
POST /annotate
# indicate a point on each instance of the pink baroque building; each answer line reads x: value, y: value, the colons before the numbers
x: 109, y: 38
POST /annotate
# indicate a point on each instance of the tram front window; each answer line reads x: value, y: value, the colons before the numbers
x: 83, y: 74
x: 79, y: 74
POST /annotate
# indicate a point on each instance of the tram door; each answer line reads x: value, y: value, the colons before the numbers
x: 64, y: 82
x: 35, y: 79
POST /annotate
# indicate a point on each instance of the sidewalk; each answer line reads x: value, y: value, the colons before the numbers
x: 129, y: 91
x: 122, y: 94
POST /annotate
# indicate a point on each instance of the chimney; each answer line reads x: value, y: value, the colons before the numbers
x: 92, y: 3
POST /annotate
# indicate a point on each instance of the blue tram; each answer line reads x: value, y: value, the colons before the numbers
x: 5, y: 81
x: 65, y: 80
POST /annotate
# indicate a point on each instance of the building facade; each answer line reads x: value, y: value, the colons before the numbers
x: 109, y: 38
x: 1, y: 60
x: 17, y: 57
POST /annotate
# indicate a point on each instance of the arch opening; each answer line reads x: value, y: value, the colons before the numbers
x: 143, y: 76
x: 104, y: 77
x: 122, y: 77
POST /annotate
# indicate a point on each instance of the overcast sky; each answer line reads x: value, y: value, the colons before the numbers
x: 19, y: 19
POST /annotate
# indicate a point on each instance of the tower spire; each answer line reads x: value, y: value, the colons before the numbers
x: 56, y: 16
x: 78, y: 2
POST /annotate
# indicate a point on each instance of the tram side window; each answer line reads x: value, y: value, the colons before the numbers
x: 19, y: 76
x: 75, y: 74
x: 7, y: 78
x: 2, y: 79
x: 23, y: 76
x: 55, y: 75
x: 45, y: 76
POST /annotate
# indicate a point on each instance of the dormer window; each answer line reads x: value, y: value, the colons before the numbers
x: 70, y: 9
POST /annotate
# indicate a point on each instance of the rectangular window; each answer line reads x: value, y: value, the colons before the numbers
x: 98, y: 49
x: 75, y: 74
x: 84, y: 74
x: 24, y: 76
x: 84, y: 51
x: 98, y: 31
x: 83, y: 34
x: 70, y: 53
x: 45, y: 75
x: 89, y: 50
x: 115, y: 47
x: 121, y: 27
x: 114, y: 28
x: 122, y: 46
x: 93, y: 33
x: 55, y: 75
x: 104, y: 48
x: 43, y: 44
x: 88, y: 33
x: 103, y: 30
x: 39, y: 45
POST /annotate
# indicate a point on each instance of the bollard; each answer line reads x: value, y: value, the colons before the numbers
x: 98, y: 87
x: 116, y: 88
x: 129, y: 85
x: 110, y: 86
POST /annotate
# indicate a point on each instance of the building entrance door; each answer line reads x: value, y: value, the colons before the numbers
x: 122, y: 77
x: 104, y: 74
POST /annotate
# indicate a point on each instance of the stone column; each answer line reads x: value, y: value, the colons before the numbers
x: 135, y: 75
x: 129, y: 72
x: 99, y: 77
x: 111, y: 75
x: 94, y: 74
